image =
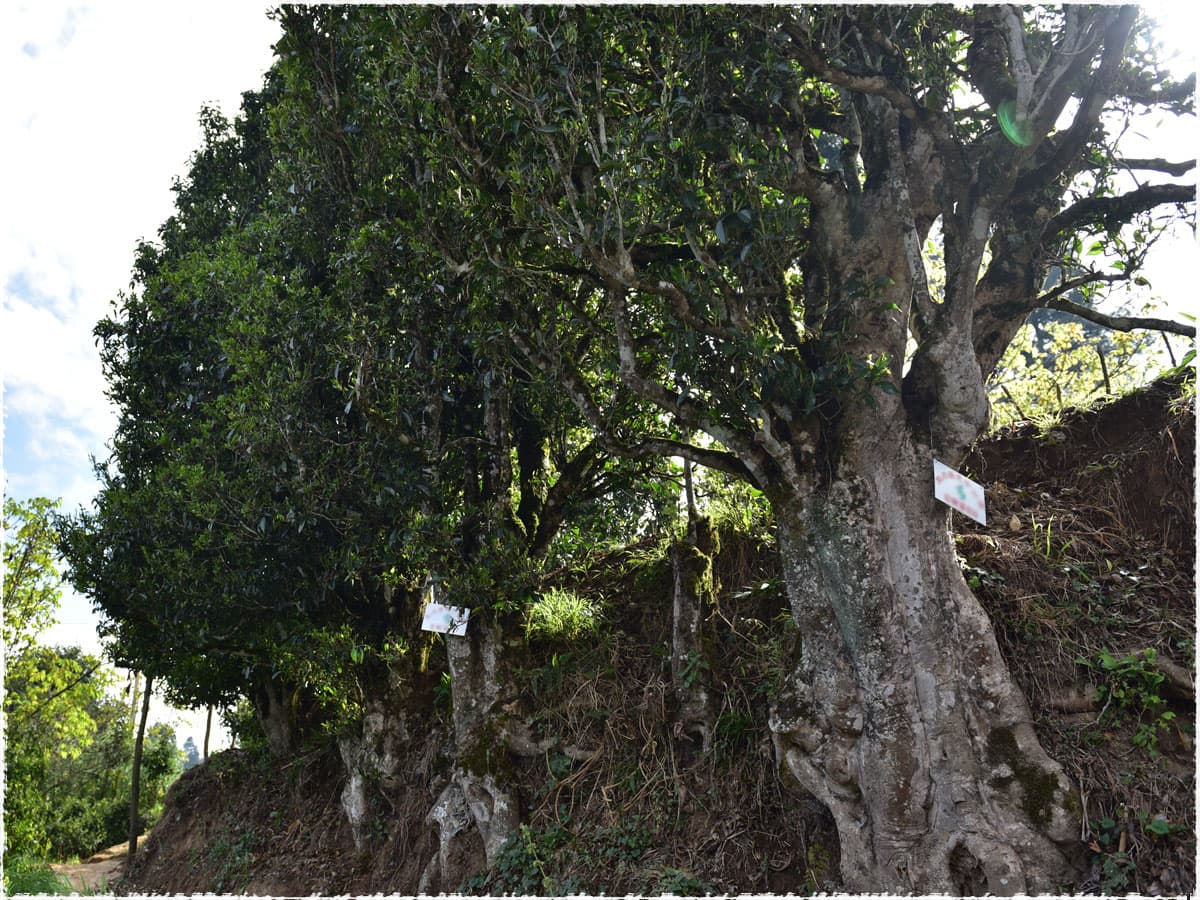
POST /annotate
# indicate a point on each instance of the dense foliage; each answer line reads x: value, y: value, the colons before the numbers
x: 309, y: 429
x: 440, y: 303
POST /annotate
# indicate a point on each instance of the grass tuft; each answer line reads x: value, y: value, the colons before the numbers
x: 561, y: 616
x: 33, y: 876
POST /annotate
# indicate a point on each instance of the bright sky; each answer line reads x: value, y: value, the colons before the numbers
x: 97, y: 117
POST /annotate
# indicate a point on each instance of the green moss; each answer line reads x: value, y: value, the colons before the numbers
x: 488, y: 753
x: 1038, y: 787
x: 699, y: 580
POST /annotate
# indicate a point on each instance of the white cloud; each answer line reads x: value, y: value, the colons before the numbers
x: 103, y: 121
x: 51, y: 366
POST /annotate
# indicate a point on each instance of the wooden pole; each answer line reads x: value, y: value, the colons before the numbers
x: 207, y: 732
x: 136, y: 679
x: 135, y: 788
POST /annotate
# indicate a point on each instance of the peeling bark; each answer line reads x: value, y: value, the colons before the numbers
x: 373, y: 753
x: 900, y: 714
x: 480, y: 804
x: 458, y: 849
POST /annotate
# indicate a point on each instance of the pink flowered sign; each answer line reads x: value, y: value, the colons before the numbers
x: 959, y: 491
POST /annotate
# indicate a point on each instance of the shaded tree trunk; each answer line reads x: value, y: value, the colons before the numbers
x: 207, y: 732
x: 274, y: 706
x: 694, y: 591
x: 478, y: 810
x: 135, y: 788
x: 900, y: 715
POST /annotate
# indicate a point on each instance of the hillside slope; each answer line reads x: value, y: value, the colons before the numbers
x: 1087, y: 570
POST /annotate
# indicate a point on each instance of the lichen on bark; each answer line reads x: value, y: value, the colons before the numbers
x: 901, y: 716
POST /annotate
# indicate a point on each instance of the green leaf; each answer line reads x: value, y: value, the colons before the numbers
x: 1158, y: 826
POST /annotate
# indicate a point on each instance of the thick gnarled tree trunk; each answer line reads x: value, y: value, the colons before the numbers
x: 479, y: 809
x: 901, y: 715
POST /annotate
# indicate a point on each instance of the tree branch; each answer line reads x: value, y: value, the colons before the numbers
x: 1070, y: 56
x: 864, y: 84
x: 1157, y: 94
x: 691, y: 413
x: 21, y: 715
x: 581, y: 396
x: 1118, y: 210
x: 1070, y: 284
x: 1159, y: 165
x: 1100, y: 89
x: 1014, y: 33
x: 681, y: 306
x: 571, y: 479
x: 1118, y: 323
x: 720, y: 460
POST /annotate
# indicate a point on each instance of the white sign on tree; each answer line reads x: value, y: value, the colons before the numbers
x: 438, y: 616
x: 959, y: 491
x: 446, y: 619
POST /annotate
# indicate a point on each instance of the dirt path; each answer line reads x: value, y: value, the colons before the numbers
x: 99, y: 872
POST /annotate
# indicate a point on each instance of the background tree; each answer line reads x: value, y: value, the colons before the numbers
x: 46, y: 721
x: 31, y: 577
x: 46, y: 690
x: 1049, y: 368
x: 68, y: 740
x: 191, y: 753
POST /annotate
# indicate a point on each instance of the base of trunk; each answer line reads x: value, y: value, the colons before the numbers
x: 460, y: 853
x: 899, y: 714
x: 477, y: 812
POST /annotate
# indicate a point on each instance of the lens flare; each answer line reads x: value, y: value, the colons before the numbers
x: 1015, y: 124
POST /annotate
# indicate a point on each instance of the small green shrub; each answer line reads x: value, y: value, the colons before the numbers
x: 734, y: 506
x: 77, y: 829
x: 232, y: 856
x: 548, y: 679
x: 443, y: 694
x: 1131, y: 685
x: 625, y: 843
x: 1159, y: 826
x: 732, y: 732
x: 1116, y: 873
x: 521, y: 867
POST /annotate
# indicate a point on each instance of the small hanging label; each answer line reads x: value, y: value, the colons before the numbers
x: 959, y: 491
x: 446, y: 619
